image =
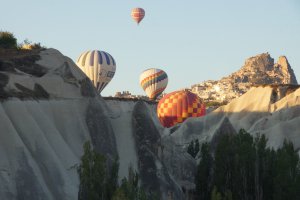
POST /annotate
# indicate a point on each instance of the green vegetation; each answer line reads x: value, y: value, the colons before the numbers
x: 215, y: 103
x: 243, y: 167
x: 98, y: 182
x: 30, y: 45
x: 7, y: 40
x: 239, y: 167
x: 129, y: 188
x: 94, y: 176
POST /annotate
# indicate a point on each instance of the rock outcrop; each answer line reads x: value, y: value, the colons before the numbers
x: 48, y: 110
x: 257, y: 70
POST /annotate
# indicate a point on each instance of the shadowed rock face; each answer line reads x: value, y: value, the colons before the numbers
x: 100, y: 130
x: 3, y: 81
x: 26, y: 182
x: 87, y: 89
x: 6, y: 66
x: 225, y: 128
x: 65, y: 72
x: 154, y: 176
x: 24, y: 64
x: 38, y: 92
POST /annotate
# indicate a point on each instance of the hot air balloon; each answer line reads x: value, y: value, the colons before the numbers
x: 177, y: 106
x: 99, y: 66
x: 138, y: 14
x: 153, y: 81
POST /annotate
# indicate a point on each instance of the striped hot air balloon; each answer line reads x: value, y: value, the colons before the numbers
x: 99, y: 66
x: 177, y: 106
x: 153, y: 81
x: 138, y: 14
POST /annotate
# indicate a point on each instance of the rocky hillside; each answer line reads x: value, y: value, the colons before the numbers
x: 258, y: 111
x: 48, y: 109
x: 257, y: 70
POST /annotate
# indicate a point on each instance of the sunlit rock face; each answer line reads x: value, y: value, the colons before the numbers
x: 257, y: 70
x: 259, y: 111
x: 48, y: 110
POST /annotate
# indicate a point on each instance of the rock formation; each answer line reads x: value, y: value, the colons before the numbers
x: 257, y: 70
x: 48, y: 109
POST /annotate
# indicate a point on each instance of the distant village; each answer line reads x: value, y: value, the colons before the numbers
x: 128, y: 95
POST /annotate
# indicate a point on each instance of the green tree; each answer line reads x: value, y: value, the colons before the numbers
x: 119, y: 195
x: 112, y: 180
x: 99, y: 182
x: 130, y: 185
x: 243, y: 167
x: 215, y: 194
x: 264, y: 169
x: 92, y: 175
x: 7, y: 40
x: 287, y: 173
x: 223, y: 166
x: 130, y: 189
x: 203, y: 175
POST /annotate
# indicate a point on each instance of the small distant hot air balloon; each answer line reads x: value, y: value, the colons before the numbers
x: 153, y: 81
x: 138, y: 14
x: 99, y: 66
x: 177, y: 106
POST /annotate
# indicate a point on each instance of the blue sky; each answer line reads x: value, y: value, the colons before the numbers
x: 192, y: 40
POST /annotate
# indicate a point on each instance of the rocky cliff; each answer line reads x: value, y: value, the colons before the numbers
x: 257, y: 70
x: 48, y: 109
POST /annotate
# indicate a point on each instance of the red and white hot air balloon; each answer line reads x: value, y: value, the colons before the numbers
x: 138, y: 14
x: 177, y: 106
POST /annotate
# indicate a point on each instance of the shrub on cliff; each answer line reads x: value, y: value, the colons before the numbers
x: 7, y: 40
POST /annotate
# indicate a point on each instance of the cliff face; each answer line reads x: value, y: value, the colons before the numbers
x: 49, y: 109
x: 257, y: 70
x: 258, y: 111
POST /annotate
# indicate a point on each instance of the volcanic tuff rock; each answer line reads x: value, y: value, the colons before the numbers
x: 49, y: 108
x: 278, y: 119
x: 257, y: 70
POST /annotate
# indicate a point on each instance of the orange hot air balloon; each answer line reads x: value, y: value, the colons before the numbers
x: 138, y: 14
x: 177, y: 106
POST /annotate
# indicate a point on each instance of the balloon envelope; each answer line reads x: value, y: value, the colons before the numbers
x: 99, y: 66
x: 153, y: 81
x: 138, y: 14
x: 177, y: 106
